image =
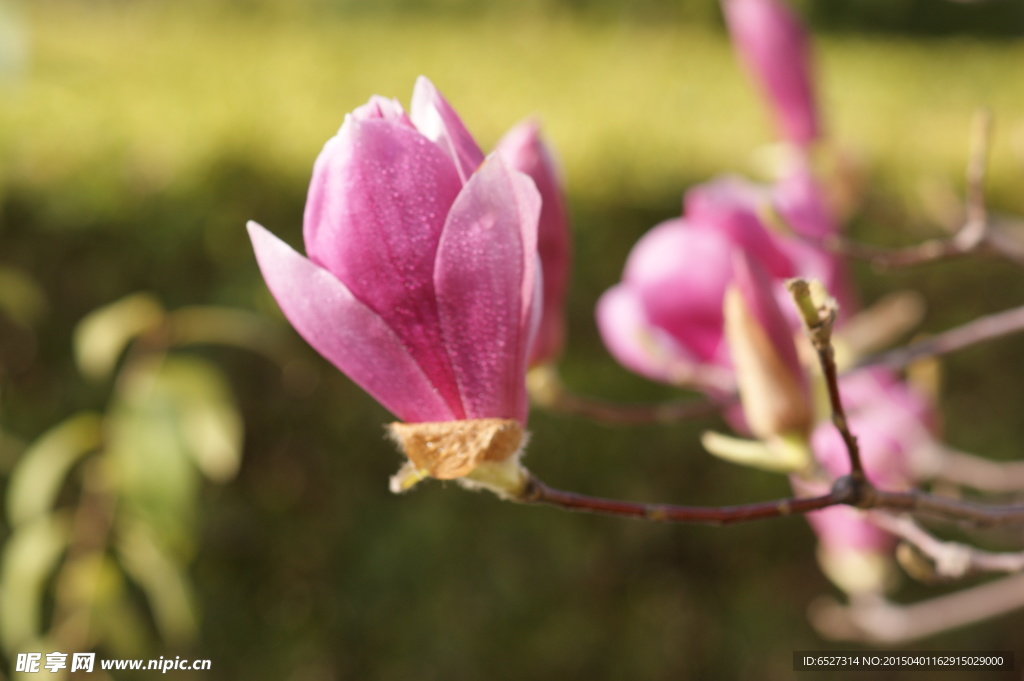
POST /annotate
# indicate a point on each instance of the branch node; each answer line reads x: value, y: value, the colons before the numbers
x: 854, y: 490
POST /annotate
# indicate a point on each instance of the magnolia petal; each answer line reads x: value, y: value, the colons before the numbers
x: 845, y: 528
x: 680, y: 272
x: 346, y: 332
x: 434, y: 117
x: 382, y: 107
x: 758, y: 293
x: 533, y: 311
x: 732, y: 206
x: 484, y: 279
x: 642, y: 347
x: 377, y: 204
x: 894, y: 428
x: 799, y: 199
x: 775, y: 401
x: 524, y: 150
x: 774, y: 48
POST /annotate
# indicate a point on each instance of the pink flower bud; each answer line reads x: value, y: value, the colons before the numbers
x: 525, y: 151
x: 798, y: 198
x: 774, y: 48
x: 421, y: 268
x: 773, y: 388
x: 894, y: 428
x: 665, y: 319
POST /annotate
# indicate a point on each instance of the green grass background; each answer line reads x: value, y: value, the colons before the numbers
x: 142, y: 136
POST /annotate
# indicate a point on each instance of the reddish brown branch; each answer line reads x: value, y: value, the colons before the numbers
x: 980, y: 330
x: 845, y: 491
x: 921, y: 503
x: 539, y: 493
x: 979, y: 473
x: 888, y: 258
x: 977, y: 331
x: 878, y: 621
x: 974, y: 236
x: 818, y: 313
x: 949, y: 559
x: 826, y: 357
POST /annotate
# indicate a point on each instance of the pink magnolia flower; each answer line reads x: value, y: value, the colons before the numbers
x: 894, y: 426
x: 895, y: 429
x: 774, y: 48
x: 665, y: 319
x: 420, y: 268
x: 525, y: 151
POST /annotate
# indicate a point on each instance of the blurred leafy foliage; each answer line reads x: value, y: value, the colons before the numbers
x: 142, y: 135
x: 103, y: 506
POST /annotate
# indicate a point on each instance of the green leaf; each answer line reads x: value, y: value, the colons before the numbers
x: 173, y: 417
x: 91, y: 592
x: 164, y: 582
x: 209, y: 420
x: 210, y: 324
x: 29, y: 558
x: 150, y: 467
x: 42, y: 469
x: 103, y: 334
x: 782, y: 454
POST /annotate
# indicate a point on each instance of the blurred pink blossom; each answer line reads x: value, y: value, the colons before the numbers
x: 895, y: 428
x: 665, y: 319
x: 772, y: 383
x: 773, y: 46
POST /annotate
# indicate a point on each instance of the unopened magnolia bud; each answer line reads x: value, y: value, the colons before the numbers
x: 775, y: 397
x: 915, y: 564
x: 544, y: 385
x: 857, y: 572
x: 779, y: 455
x: 817, y: 308
x: 452, y: 449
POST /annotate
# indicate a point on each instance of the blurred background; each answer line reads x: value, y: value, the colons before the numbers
x: 136, y: 138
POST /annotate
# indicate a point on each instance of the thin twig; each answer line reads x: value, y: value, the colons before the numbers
x: 887, y: 258
x: 818, y: 312
x: 974, y: 235
x: 950, y: 559
x: 978, y: 473
x: 980, y: 330
x: 539, y: 493
x: 1004, y: 237
x: 826, y: 357
x: 977, y: 165
x: 845, y: 491
x: 879, y: 621
x: 944, y: 508
x: 988, y: 327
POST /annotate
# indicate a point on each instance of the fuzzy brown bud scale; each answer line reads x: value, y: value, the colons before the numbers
x: 452, y: 449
